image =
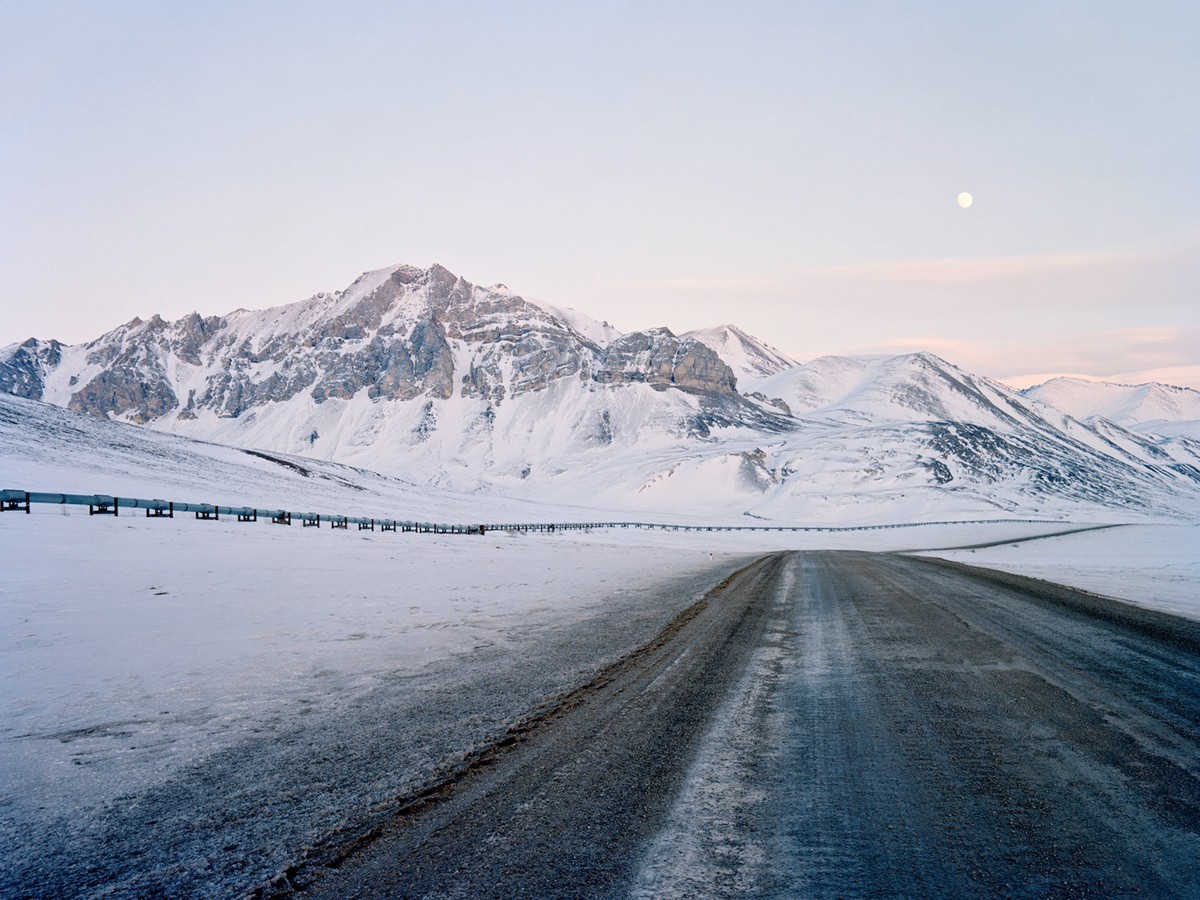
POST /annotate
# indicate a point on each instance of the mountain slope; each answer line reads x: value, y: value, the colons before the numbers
x: 395, y: 334
x: 748, y: 357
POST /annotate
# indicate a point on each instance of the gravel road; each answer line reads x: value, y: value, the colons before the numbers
x: 833, y: 725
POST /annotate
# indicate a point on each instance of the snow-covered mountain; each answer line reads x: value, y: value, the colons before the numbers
x: 871, y: 389
x: 418, y: 373
x: 915, y: 419
x: 1153, y: 408
x: 748, y: 357
x: 398, y: 333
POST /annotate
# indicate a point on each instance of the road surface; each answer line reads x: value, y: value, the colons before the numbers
x: 833, y: 725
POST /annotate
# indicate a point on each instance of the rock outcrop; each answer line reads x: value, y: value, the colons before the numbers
x: 23, y: 367
x: 659, y: 358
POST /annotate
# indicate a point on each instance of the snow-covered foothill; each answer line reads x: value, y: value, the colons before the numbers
x: 1153, y: 408
x: 750, y: 358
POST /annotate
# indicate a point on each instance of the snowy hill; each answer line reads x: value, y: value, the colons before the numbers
x: 418, y: 374
x: 913, y: 387
x: 1153, y: 408
x: 748, y: 357
x: 47, y: 448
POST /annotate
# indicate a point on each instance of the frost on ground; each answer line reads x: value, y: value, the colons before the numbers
x: 1156, y: 566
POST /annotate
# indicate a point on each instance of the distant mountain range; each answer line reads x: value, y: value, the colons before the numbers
x: 421, y: 374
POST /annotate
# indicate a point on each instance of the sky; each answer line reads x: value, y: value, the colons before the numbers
x: 789, y: 167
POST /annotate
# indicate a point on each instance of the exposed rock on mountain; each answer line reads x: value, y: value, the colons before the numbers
x: 659, y: 358
x: 130, y: 380
x: 23, y: 367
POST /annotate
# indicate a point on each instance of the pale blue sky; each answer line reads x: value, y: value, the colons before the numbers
x: 791, y: 167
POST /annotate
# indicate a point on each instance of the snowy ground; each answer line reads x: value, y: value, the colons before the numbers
x: 136, y: 651
x: 132, y: 646
x: 1156, y: 566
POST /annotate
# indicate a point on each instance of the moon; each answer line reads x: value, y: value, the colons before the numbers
x: 965, y: 199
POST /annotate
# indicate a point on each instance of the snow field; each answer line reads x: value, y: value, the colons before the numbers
x: 132, y: 646
x: 1155, y: 566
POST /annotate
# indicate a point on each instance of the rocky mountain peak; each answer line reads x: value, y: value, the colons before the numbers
x: 23, y: 367
x: 396, y: 333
